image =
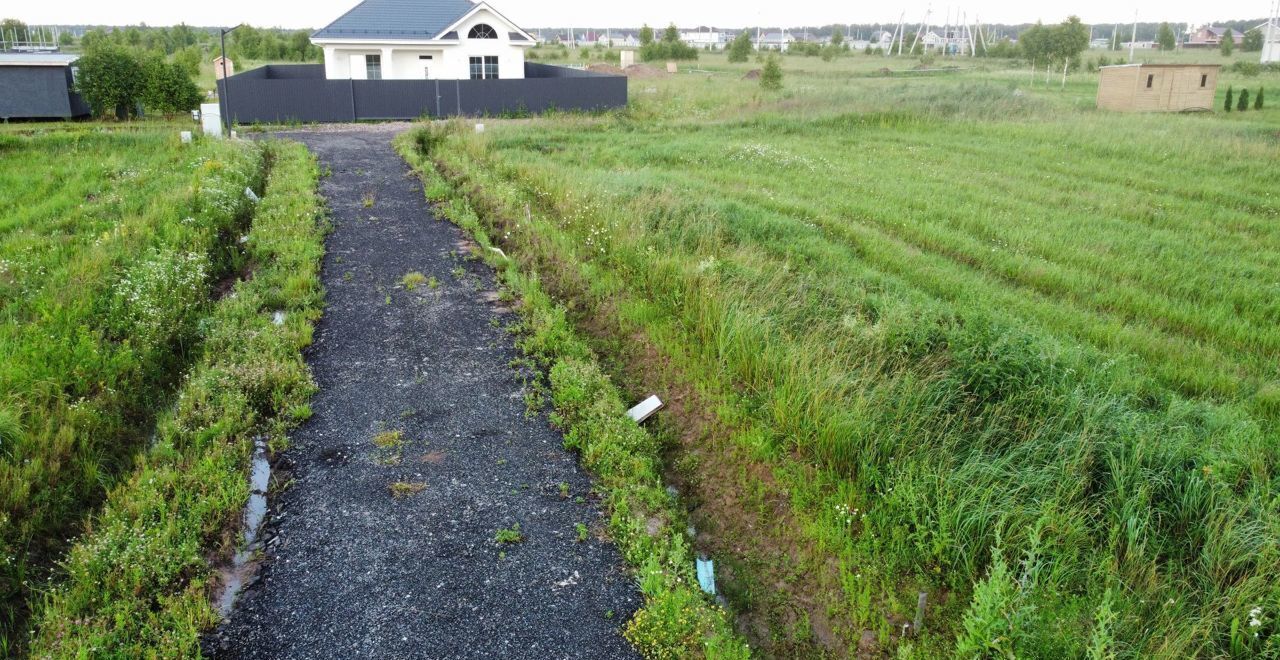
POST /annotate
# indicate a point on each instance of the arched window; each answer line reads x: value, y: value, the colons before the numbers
x: 482, y: 31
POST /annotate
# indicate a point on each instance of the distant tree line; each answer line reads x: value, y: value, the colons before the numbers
x: 251, y: 43
x: 192, y: 45
x: 1116, y: 33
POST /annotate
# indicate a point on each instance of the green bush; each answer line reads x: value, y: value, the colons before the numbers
x: 740, y: 48
x: 169, y: 87
x: 771, y: 75
x: 661, y: 51
x: 1247, y: 69
x: 668, y: 48
x: 115, y: 79
x: 111, y: 80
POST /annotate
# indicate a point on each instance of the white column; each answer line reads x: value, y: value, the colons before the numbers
x: 388, y: 68
x: 331, y: 66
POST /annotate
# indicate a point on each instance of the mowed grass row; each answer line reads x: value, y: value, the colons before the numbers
x: 1054, y: 429
x: 109, y: 246
x: 140, y: 582
x: 1198, y: 303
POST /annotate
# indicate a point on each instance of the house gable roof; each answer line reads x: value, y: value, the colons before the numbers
x: 396, y: 19
x: 1220, y: 31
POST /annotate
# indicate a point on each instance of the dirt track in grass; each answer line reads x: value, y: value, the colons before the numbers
x: 417, y: 396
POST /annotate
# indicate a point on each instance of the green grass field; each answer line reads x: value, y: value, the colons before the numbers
x: 108, y: 246
x: 980, y: 339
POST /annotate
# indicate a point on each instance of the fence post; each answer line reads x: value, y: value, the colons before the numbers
x: 457, y: 86
x: 918, y: 625
x: 351, y: 85
x: 437, y: 98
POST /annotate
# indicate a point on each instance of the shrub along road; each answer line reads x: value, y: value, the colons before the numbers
x: 425, y: 513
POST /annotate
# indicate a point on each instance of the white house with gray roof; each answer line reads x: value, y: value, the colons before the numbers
x: 423, y: 40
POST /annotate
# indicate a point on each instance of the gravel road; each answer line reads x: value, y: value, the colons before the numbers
x: 352, y: 570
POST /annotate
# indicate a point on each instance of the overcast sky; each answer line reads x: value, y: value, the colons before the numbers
x: 719, y: 13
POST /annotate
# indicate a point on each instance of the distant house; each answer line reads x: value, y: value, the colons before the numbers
x: 1158, y: 87
x: 618, y: 40
x: 779, y: 41
x: 39, y: 86
x: 955, y: 42
x: 1211, y: 37
x: 423, y: 40
x: 703, y: 40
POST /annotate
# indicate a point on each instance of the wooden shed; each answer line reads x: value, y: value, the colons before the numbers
x: 1158, y: 87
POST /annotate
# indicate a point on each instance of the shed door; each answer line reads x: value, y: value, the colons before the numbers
x: 358, y: 70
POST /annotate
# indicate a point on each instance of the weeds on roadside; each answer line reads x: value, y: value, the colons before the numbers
x: 403, y: 489
x: 509, y: 535
x: 413, y: 280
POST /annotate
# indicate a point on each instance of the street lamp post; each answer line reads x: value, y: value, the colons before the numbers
x: 224, y: 96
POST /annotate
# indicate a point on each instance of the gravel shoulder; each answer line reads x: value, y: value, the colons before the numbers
x: 417, y: 395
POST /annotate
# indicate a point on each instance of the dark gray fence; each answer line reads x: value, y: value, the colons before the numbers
x: 300, y: 92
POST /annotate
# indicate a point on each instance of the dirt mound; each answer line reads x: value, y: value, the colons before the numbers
x: 605, y: 68
x: 645, y: 71
x: 753, y: 74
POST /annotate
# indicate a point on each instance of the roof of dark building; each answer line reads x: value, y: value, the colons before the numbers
x: 37, y: 59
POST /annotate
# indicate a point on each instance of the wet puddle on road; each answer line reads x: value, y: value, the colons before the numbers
x: 242, y: 566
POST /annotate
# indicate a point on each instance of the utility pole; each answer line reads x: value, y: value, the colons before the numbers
x: 921, y: 32
x: 1133, y: 43
x: 901, y: 32
x: 1268, y: 41
x: 224, y: 97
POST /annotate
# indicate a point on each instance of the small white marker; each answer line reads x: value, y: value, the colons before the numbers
x: 479, y: 128
x: 645, y: 409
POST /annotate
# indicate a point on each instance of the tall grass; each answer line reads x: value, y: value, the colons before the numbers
x: 109, y: 244
x: 1034, y: 348
x: 139, y: 582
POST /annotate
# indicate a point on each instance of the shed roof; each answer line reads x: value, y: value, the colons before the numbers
x: 396, y: 19
x: 1161, y: 66
x: 37, y: 59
